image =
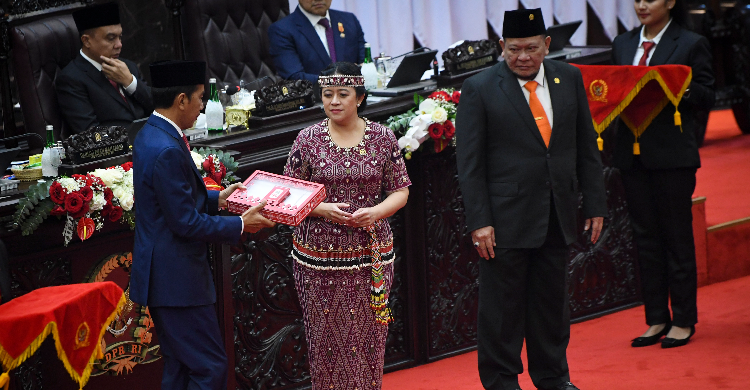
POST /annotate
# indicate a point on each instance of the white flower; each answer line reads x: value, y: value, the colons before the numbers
x: 126, y: 202
x: 197, y: 159
x: 439, y: 115
x: 70, y: 184
x: 119, y: 192
x: 421, y: 122
x: 408, y: 143
x: 97, y: 202
x: 109, y: 176
x: 427, y: 106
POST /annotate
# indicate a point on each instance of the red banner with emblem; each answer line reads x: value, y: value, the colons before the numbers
x: 76, y: 315
x: 636, y: 93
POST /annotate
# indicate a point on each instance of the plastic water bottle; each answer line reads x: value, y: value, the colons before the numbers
x: 214, y: 110
x: 49, y: 169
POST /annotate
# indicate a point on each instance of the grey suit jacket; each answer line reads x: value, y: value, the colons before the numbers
x: 87, y: 98
x: 506, y: 173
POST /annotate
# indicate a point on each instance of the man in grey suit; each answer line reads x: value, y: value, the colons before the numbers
x: 98, y: 87
x: 526, y: 144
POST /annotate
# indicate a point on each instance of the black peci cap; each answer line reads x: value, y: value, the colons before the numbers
x: 523, y: 23
x: 94, y: 16
x: 174, y: 73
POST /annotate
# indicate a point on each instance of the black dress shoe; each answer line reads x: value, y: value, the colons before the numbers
x: 650, y: 340
x: 562, y: 386
x: 669, y: 342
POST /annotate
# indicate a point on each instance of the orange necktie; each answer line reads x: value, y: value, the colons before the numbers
x: 540, y: 117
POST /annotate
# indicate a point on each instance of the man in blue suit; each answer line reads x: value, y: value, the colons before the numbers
x: 312, y: 37
x: 171, y: 272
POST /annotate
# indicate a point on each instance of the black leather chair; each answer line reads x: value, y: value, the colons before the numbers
x: 40, y: 50
x: 231, y: 36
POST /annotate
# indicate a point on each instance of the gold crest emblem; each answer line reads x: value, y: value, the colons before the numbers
x: 82, y: 335
x: 471, y: 49
x: 557, y: 81
x: 285, y: 90
x: 97, y: 137
x: 598, y: 90
x: 341, y: 27
x: 531, y: 16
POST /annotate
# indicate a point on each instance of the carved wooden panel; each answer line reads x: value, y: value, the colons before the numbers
x: 452, y: 261
x: 269, y: 335
x: 31, y: 275
x: 398, y: 341
x: 18, y: 7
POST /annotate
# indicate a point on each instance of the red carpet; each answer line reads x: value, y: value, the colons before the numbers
x: 724, y: 178
x: 600, y: 356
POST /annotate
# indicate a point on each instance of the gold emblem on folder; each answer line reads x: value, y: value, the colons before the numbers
x: 531, y: 17
x: 557, y: 81
x: 598, y: 90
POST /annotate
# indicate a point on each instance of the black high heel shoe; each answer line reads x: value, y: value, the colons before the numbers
x: 669, y: 342
x: 651, y: 340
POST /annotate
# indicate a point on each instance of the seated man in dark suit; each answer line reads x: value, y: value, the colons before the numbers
x: 97, y: 87
x: 312, y: 37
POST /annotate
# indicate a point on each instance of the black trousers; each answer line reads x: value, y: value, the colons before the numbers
x: 523, y: 294
x: 660, y: 206
x: 190, y: 339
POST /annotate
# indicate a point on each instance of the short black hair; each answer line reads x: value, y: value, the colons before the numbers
x: 347, y: 69
x: 164, y: 97
x: 681, y: 15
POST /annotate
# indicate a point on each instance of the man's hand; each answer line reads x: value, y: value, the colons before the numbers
x: 596, y: 229
x: 485, y: 238
x: 116, y: 71
x: 224, y: 194
x: 254, y: 221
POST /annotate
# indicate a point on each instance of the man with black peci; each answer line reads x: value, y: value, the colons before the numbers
x: 526, y: 144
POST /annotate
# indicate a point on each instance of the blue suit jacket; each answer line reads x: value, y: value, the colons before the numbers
x: 298, y: 52
x: 173, y: 225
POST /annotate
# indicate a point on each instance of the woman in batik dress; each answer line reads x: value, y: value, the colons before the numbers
x: 343, y: 251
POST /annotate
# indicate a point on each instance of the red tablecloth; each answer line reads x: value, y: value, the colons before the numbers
x: 76, y: 315
x: 636, y: 93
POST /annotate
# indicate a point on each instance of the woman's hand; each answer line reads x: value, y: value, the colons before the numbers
x: 333, y: 212
x: 363, y: 217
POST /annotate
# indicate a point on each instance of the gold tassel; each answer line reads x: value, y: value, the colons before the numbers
x: 4, y: 380
x: 678, y: 119
x: 636, y: 148
x: 600, y: 142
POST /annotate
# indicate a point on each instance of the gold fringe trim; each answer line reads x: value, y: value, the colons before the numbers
x: 10, y: 363
x: 4, y: 381
x: 650, y: 75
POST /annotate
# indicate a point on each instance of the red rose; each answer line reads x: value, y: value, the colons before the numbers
x: 219, y: 174
x: 84, y: 209
x: 439, y: 95
x: 57, y: 193
x: 73, y: 202
x: 108, y: 195
x: 456, y: 96
x: 86, y: 193
x: 450, y: 130
x: 114, y: 214
x: 208, y: 164
x: 127, y: 166
x: 436, y: 130
x: 57, y: 210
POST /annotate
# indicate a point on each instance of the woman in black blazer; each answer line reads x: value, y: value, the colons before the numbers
x: 659, y: 183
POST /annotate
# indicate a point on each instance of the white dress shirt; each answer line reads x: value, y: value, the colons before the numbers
x: 130, y: 89
x: 314, y: 19
x: 542, y: 92
x: 179, y: 131
x: 657, y: 38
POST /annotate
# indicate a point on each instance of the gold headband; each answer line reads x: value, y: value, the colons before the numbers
x: 341, y: 81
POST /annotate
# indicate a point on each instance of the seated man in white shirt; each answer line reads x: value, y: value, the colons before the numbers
x: 97, y: 87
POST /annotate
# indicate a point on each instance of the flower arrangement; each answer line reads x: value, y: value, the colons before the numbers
x: 432, y: 119
x: 103, y: 195
x: 86, y: 201
x: 216, y: 167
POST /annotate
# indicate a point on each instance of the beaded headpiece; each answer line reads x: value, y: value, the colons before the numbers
x: 341, y: 81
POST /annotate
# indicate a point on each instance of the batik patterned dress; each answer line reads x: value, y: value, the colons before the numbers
x: 332, y: 266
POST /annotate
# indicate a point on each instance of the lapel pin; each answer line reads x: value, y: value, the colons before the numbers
x: 557, y: 81
x: 341, y: 30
